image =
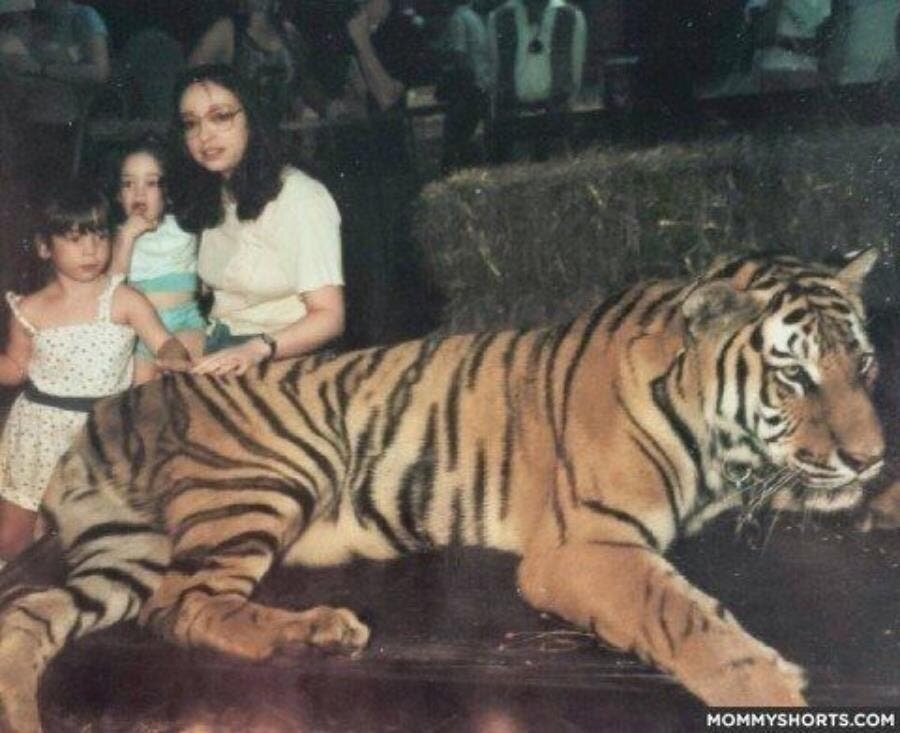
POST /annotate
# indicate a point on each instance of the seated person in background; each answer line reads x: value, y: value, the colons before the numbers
x: 54, y: 57
x: 15, y: 34
x: 385, y: 90
x: 731, y: 52
x: 267, y: 51
x: 464, y: 82
x: 537, y: 57
x: 15, y: 60
x: 785, y: 35
x: 367, y: 53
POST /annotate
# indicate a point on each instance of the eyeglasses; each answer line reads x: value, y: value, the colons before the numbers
x: 220, y: 120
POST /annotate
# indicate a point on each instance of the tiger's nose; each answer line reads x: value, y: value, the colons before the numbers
x: 860, y: 462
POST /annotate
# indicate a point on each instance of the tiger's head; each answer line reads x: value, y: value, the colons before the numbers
x: 787, y: 372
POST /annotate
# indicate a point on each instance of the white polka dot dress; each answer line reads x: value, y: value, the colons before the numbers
x: 90, y: 359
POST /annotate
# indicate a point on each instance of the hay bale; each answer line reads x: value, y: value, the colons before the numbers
x: 534, y: 243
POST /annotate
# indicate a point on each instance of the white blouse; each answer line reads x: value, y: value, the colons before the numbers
x: 258, y: 268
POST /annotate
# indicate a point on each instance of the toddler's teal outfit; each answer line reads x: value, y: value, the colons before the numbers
x: 165, y: 260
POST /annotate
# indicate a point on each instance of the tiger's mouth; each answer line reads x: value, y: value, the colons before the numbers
x: 844, y: 497
x: 831, y: 488
x: 792, y: 489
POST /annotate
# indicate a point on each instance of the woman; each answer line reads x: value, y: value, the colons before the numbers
x: 270, y: 248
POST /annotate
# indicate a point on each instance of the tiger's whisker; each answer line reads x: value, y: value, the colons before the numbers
x: 776, y: 515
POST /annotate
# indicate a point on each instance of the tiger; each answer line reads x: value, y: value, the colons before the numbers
x: 585, y: 448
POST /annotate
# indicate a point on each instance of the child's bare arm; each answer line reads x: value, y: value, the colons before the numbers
x: 140, y: 314
x: 14, y: 361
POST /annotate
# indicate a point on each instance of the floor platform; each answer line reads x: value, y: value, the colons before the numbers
x: 455, y: 649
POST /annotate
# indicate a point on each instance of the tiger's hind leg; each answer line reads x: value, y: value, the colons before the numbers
x: 37, y: 622
x: 218, y: 562
x: 113, y: 559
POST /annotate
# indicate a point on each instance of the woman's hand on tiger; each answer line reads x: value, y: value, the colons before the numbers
x: 234, y: 360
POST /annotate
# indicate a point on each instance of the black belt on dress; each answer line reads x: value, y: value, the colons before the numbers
x: 73, y: 404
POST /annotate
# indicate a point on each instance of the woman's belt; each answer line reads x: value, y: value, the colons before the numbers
x: 73, y: 404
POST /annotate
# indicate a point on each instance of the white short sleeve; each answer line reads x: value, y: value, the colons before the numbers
x: 308, y: 233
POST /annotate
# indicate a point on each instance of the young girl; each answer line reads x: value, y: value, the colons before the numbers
x: 70, y: 343
x: 159, y: 258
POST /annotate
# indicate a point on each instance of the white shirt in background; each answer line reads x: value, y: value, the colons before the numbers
x: 533, y: 71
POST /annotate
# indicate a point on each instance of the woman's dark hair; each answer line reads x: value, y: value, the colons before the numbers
x: 196, y: 192
x: 73, y: 205
x: 151, y: 144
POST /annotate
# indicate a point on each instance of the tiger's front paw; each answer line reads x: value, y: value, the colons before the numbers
x: 20, y: 665
x: 18, y: 705
x: 332, y: 629
x: 757, y: 681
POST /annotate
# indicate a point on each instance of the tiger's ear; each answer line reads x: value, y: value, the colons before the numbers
x: 716, y: 306
x: 859, y: 265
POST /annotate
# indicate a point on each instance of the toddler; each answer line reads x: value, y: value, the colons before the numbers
x: 159, y: 258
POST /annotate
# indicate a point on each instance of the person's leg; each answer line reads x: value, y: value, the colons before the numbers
x: 554, y: 133
x: 216, y: 338
x: 453, y: 136
x: 16, y: 529
x: 502, y: 136
x: 460, y: 123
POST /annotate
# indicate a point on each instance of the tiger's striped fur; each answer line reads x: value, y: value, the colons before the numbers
x: 585, y: 448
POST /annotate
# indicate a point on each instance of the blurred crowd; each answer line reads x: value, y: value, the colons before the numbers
x: 490, y: 62
x: 334, y: 60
